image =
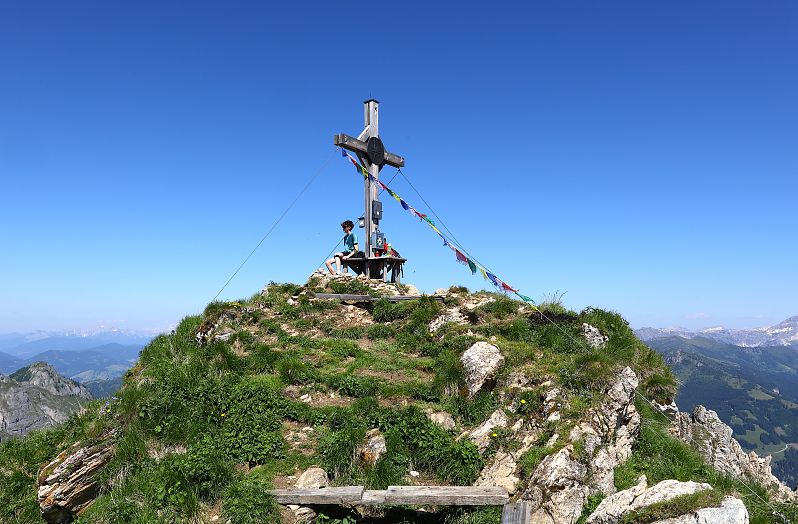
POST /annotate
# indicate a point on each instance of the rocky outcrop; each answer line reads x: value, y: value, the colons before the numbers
x: 731, y: 511
x: 68, y: 484
x: 322, y: 279
x: 480, y: 361
x: 481, y: 435
x: 450, y: 315
x: 613, y: 508
x: 557, y: 489
x: 705, y: 432
x: 442, y: 419
x: 608, y: 433
x: 36, y: 397
x: 594, y: 336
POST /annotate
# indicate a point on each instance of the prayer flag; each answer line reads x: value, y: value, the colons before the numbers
x: 460, y: 257
x: 484, y: 274
x: 493, y: 279
x: 404, y: 205
x: 505, y: 287
x: 472, y: 267
x: 524, y: 297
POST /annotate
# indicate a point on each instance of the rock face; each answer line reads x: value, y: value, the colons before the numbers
x: 610, y: 431
x: 558, y: 489
x: 450, y: 315
x: 37, y: 397
x: 480, y: 361
x: 615, y: 507
x: 713, y: 440
x: 68, y: 484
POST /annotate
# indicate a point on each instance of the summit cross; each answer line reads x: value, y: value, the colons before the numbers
x: 372, y: 155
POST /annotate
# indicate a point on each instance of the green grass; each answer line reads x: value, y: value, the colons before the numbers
x: 189, y: 417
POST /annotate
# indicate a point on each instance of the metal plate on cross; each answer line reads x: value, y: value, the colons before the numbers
x: 375, y: 150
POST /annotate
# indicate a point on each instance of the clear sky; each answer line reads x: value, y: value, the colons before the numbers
x: 637, y: 156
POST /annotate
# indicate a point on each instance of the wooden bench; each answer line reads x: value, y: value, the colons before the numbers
x: 377, y: 267
x: 512, y: 513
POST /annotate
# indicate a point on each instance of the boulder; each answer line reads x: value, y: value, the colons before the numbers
x: 480, y: 361
x: 594, y: 336
x: 613, y: 508
x: 442, y: 419
x: 731, y: 511
x: 313, y: 478
x: 374, y: 448
x: 69, y: 484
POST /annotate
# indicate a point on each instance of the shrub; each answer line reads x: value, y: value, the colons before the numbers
x: 246, y: 501
x: 379, y: 331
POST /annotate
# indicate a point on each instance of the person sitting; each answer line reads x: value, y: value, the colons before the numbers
x: 350, y: 248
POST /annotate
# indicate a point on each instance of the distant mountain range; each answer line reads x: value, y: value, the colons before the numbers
x: 784, y: 333
x: 753, y: 389
x: 98, y: 360
x: 26, y: 345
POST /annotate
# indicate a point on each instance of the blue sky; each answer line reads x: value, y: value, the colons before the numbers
x: 636, y: 156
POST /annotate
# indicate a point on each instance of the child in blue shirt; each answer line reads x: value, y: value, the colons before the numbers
x: 350, y: 248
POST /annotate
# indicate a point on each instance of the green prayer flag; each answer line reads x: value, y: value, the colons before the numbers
x: 525, y: 298
x: 472, y: 267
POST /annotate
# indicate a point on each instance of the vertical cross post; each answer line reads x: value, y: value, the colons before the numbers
x: 371, y: 128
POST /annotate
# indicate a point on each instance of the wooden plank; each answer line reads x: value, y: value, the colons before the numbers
x: 517, y: 513
x: 336, y: 496
x: 369, y: 298
x: 373, y: 497
x: 447, y: 495
x: 358, y: 146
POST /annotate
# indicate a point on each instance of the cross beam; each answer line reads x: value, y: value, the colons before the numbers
x: 372, y: 154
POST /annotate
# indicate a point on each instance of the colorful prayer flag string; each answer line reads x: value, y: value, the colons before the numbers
x: 459, y: 255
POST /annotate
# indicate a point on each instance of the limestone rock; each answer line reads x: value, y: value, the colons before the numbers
x: 713, y: 440
x: 610, y: 431
x: 481, y: 436
x: 450, y: 315
x: 374, y: 447
x: 501, y: 472
x: 36, y: 397
x: 442, y: 419
x: 558, y: 489
x: 304, y: 515
x: 480, y: 361
x: 613, y: 508
x: 313, y: 478
x: 68, y: 484
x: 594, y: 336
x: 731, y: 511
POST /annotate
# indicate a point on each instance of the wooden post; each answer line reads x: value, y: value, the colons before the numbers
x: 517, y: 513
x: 372, y: 128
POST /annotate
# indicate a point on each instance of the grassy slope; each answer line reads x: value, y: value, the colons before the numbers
x: 204, y: 430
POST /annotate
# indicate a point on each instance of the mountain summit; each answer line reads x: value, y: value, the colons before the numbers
x: 37, y: 397
x: 565, y: 411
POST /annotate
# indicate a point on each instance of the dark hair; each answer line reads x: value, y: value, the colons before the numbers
x: 348, y: 223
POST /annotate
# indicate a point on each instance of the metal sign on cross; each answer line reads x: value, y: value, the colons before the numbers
x: 372, y: 154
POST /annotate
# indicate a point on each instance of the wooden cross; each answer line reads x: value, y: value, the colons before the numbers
x: 372, y: 154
